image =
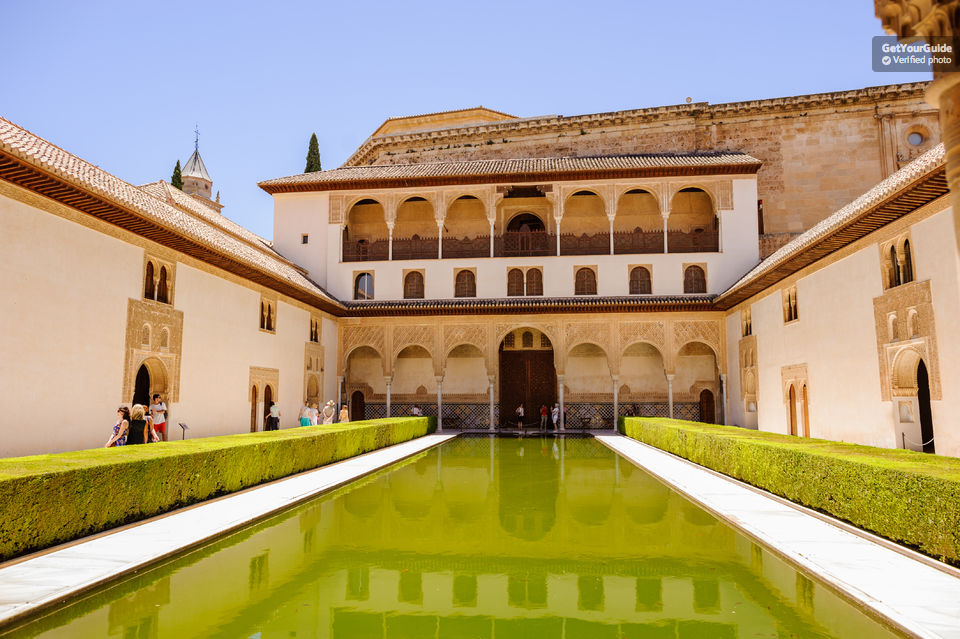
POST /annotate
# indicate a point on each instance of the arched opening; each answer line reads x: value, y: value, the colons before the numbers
x: 638, y: 226
x: 694, y: 280
x: 643, y: 390
x: 926, y: 414
x: 589, y: 402
x: 894, y: 268
x: 141, y: 388
x: 414, y: 381
x: 528, y: 376
x: 413, y: 286
x: 907, y: 262
x: 148, y: 282
x: 364, y: 371
x: 514, y: 282
x: 696, y: 370
x: 363, y: 287
x: 253, y: 408
x: 357, y: 406
x: 466, y: 230
x: 313, y: 390
x: 585, y: 226
x: 585, y: 282
x: 805, y: 400
x: 466, y: 384
x: 365, y: 233
x: 640, y: 283
x: 465, y: 284
x: 267, y: 403
x: 162, y: 295
x: 263, y: 315
x: 415, y: 230
x: 792, y: 399
x: 534, y: 281
x: 693, y: 225
x: 525, y: 235
x: 707, y: 407
x: 269, y: 316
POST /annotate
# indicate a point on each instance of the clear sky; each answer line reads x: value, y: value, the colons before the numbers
x: 122, y: 84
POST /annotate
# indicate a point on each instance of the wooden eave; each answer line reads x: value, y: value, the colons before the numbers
x: 527, y: 306
x: 918, y: 193
x: 512, y: 178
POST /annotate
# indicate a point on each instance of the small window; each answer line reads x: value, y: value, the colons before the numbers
x: 534, y: 281
x: 314, y: 330
x: 514, y: 282
x: 305, y: 238
x: 916, y: 139
x: 907, y: 263
x: 363, y: 287
x: 263, y: 315
x: 508, y: 340
x: 466, y: 284
x: 640, y: 281
x: 694, y: 280
x: 527, y: 339
x: 270, y: 317
x: 791, y: 311
x: 413, y: 286
x: 148, y: 283
x: 585, y: 282
x: 162, y: 295
x: 894, y: 268
x: 747, y: 322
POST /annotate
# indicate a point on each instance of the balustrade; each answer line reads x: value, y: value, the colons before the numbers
x: 697, y: 241
x: 627, y: 242
x: 364, y: 250
x: 466, y: 247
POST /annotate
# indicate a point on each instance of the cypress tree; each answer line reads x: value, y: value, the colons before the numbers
x: 177, y: 179
x: 313, y: 155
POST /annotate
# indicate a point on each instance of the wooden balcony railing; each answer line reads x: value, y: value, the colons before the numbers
x: 627, y: 242
x: 699, y: 241
x: 596, y: 244
x: 466, y: 247
x: 365, y: 251
x: 525, y: 243
x: 415, y: 248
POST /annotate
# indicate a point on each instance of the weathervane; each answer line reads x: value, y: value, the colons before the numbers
x: 196, y: 137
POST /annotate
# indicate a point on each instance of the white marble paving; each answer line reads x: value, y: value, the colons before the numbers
x: 916, y: 597
x: 30, y: 585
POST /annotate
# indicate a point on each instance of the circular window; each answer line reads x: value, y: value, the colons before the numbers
x: 916, y: 139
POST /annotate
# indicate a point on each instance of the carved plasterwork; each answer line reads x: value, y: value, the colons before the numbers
x: 421, y: 335
x: 650, y: 332
x: 313, y: 368
x: 154, y: 337
x: 352, y: 337
x: 906, y: 333
x: 550, y: 328
x: 749, y: 380
x: 706, y: 331
x: 907, y: 18
x: 338, y: 211
x: 261, y: 378
x: 474, y: 334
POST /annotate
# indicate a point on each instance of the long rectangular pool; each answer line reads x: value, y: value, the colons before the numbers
x: 478, y: 538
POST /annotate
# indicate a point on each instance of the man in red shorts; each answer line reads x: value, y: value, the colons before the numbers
x: 158, y: 411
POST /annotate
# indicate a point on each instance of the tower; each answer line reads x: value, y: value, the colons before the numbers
x: 196, y: 180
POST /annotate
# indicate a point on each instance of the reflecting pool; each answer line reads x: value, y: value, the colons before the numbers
x: 478, y: 538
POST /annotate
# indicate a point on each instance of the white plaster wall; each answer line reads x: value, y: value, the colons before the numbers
x: 295, y: 214
x: 589, y: 374
x: 329, y: 339
x: 736, y: 410
x: 465, y: 375
x: 64, y: 289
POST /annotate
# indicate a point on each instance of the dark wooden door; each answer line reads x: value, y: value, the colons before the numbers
x: 528, y: 378
x: 707, y: 413
x: 357, y: 406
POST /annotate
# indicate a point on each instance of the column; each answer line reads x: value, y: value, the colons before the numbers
x: 723, y: 383
x: 388, y: 381
x: 563, y: 425
x: 491, y: 237
x: 670, y: 394
x: 610, y: 217
x: 616, y: 400
x: 339, y: 387
x: 492, y: 408
x: 557, y: 220
x: 389, y: 241
x: 666, y: 249
x: 340, y: 242
x: 439, y: 404
x: 439, y: 238
x: 719, y: 232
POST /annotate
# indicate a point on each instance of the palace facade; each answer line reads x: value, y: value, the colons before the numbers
x: 779, y: 264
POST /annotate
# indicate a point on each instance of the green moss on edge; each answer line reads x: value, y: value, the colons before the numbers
x: 51, y: 499
x: 908, y: 497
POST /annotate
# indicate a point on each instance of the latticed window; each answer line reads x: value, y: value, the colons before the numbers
x: 545, y: 341
x: 509, y: 340
x: 534, y: 281
x: 585, y: 282
x: 514, y: 282
x: 640, y: 281
x: 363, y: 287
x: 413, y: 286
x: 466, y: 284
x: 527, y: 339
x: 694, y: 280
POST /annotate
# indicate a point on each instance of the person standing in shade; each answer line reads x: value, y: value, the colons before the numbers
x: 158, y: 413
x: 273, y: 421
x: 555, y: 415
x: 305, y: 414
x: 329, y: 412
x: 138, y: 432
x: 416, y: 412
x: 519, y: 412
x: 314, y: 414
x: 119, y: 437
x: 344, y: 415
x: 543, y: 417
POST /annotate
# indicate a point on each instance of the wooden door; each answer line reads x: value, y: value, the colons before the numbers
x: 528, y: 378
x: 357, y: 406
x: 707, y: 412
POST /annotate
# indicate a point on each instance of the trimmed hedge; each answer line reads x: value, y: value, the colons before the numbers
x: 908, y: 497
x: 51, y: 499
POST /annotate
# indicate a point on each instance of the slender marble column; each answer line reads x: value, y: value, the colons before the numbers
x: 339, y: 391
x: 492, y: 408
x: 670, y: 394
x: 439, y: 404
x: 666, y: 248
x: 611, y: 236
x: 723, y: 381
x: 563, y: 424
x: 616, y: 401
x: 491, y: 237
x: 388, y: 381
x: 390, y: 242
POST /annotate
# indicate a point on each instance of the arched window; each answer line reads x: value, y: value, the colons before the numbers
x: 363, y: 287
x: 508, y: 340
x: 894, y: 268
x: 145, y: 336
x: 694, y: 280
x: 585, y: 282
x: 263, y: 315
x: 534, y: 282
x: 162, y: 286
x: 269, y: 317
x: 148, y: 285
x: 514, y: 282
x: 413, y: 286
x: 164, y: 338
x: 907, y: 263
x: 466, y: 284
x: 640, y: 281
x: 527, y: 339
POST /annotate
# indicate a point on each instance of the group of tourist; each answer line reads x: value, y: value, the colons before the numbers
x: 140, y: 424
x: 310, y: 415
x: 546, y: 416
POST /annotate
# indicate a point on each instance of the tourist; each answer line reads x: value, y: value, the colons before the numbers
x: 158, y: 413
x: 636, y: 411
x: 416, y: 412
x: 344, y: 415
x: 138, y: 431
x: 519, y: 412
x: 555, y: 415
x: 329, y: 411
x: 305, y: 414
x: 273, y: 420
x: 543, y: 417
x: 314, y: 414
x: 119, y: 437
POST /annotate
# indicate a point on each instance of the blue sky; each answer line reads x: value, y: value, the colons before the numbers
x: 122, y: 84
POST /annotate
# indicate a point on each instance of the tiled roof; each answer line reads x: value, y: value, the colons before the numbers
x: 922, y: 166
x: 195, y: 167
x: 322, y: 180
x: 34, y: 151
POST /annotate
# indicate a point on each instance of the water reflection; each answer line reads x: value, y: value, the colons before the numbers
x: 541, y: 538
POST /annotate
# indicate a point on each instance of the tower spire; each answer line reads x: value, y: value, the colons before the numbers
x: 196, y: 137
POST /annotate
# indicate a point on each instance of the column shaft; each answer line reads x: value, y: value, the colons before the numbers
x: 439, y: 406
x: 563, y: 421
x: 492, y: 408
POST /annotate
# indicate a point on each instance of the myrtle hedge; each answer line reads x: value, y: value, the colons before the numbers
x: 50, y: 499
x: 908, y: 497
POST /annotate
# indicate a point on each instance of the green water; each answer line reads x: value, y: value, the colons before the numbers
x: 479, y: 538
